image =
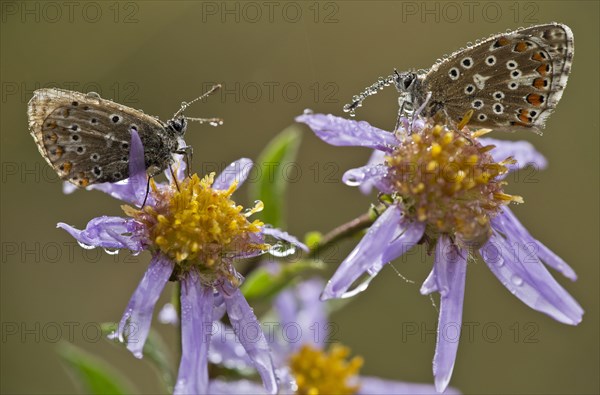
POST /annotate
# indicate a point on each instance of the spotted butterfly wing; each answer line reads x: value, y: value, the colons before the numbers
x: 511, y: 81
x: 86, y: 138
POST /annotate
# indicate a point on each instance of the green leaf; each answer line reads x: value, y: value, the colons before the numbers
x: 263, y: 284
x: 273, y: 162
x: 155, y: 352
x: 94, y: 375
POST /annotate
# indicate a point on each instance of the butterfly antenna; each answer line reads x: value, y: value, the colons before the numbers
x: 369, y: 91
x: 185, y: 105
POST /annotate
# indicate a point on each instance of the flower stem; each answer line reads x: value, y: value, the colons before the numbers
x: 344, y: 231
x: 176, y: 302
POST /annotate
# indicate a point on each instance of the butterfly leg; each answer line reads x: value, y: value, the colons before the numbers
x: 147, y: 191
x: 415, y: 114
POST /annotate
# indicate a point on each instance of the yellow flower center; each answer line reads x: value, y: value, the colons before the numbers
x: 319, y: 372
x: 450, y: 183
x: 198, y: 227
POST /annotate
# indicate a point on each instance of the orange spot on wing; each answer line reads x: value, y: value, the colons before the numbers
x: 521, y: 46
x: 540, y: 83
x: 535, y: 99
x: 538, y: 56
x: 66, y: 167
x: 543, y: 69
x: 84, y: 182
x: 524, y: 118
x: 502, y: 41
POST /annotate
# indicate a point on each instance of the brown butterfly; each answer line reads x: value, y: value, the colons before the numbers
x: 511, y: 81
x: 86, y: 138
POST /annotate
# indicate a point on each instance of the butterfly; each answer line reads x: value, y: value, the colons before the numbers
x: 86, y: 139
x: 510, y: 81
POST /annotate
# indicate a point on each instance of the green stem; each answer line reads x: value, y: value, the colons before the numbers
x: 344, y: 231
x: 176, y: 302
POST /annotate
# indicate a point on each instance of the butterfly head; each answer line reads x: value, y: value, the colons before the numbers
x: 178, y: 125
x: 406, y: 81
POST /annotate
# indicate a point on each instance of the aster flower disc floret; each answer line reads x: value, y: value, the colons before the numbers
x: 448, y: 182
x: 199, y: 227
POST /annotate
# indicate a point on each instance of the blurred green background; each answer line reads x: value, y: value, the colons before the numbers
x: 276, y: 59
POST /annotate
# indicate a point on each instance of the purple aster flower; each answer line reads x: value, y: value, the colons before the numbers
x: 446, y: 191
x: 305, y: 364
x: 195, y: 232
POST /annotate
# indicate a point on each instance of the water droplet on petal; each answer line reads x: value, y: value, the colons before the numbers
x: 444, y: 291
x: 282, y: 249
x: 363, y: 285
x: 111, y: 251
x: 518, y: 281
x: 86, y: 246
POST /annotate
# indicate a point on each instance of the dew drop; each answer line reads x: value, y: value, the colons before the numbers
x: 281, y: 250
x: 363, y: 285
x: 86, y: 246
x: 308, y: 111
x: 518, y: 281
x: 111, y: 251
x: 444, y: 291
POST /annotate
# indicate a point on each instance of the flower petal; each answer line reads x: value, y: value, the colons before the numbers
x: 371, y: 176
x: 135, y: 324
x: 377, y: 158
x: 133, y: 189
x: 522, y: 151
x: 377, y: 386
x: 236, y: 172
x: 285, y: 236
x: 196, y: 330
x: 248, y: 330
x: 366, y: 255
x: 522, y: 273
x: 340, y: 131
x: 237, y: 387
x: 226, y: 349
x: 107, y: 232
x: 450, y: 272
x: 507, y: 222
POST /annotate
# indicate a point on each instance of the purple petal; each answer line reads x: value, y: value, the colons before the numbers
x: 377, y: 158
x: 133, y: 189
x: 371, y: 176
x: 339, y: 131
x: 286, y: 307
x: 135, y: 324
x: 179, y: 166
x: 302, y: 308
x: 367, y: 254
x: 285, y: 236
x: 522, y: 151
x: 377, y: 386
x: 226, y: 349
x: 522, y: 273
x: 68, y: 188
x: 507, y: 222
x: 107, y: 232
x: 196, y: 329
x: 248, y: 330
x: 450, y: 272
x: 237, y: 387
x: 236, y: 172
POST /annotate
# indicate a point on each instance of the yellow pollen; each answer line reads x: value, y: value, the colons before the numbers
x: 196, y: 226
x: 480, y: 132
x: 450, y: 183
x: 318, y: 372
x: 465, y: 120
